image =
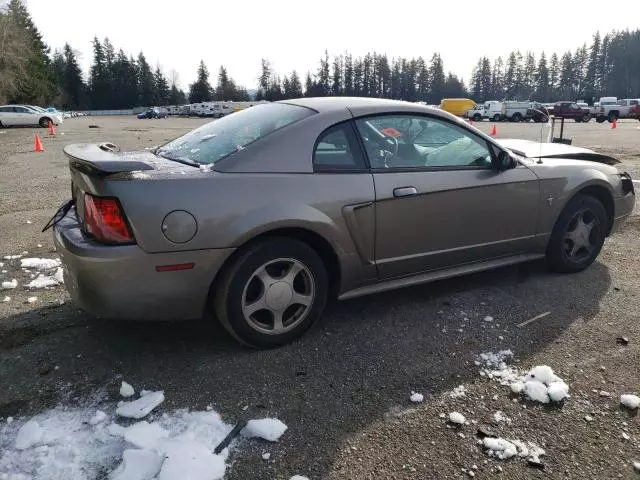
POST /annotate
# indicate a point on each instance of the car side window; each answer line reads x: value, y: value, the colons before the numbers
x: 412, y: 141
x: 21, y: 110
x: 337, y: 150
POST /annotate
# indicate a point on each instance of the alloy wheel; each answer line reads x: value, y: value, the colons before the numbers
x: 278, y: 296
x: 581, y: 237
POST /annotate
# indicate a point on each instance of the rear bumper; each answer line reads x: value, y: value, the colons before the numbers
x: 122, y: 281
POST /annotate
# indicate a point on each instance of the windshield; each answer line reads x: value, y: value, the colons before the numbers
x: 215, y: 140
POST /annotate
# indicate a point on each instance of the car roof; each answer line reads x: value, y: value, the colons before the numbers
x: 327, y: 105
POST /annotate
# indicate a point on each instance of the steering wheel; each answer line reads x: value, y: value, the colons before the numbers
x: 394, y: 144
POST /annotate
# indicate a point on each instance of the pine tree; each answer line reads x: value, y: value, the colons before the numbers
x: 323, y: 75
x: 348, y: 75
x: 226, y: 87
x: 295, y: 87
x: 200, y: 90
x: 436, y: 74
x: 162, y: 87
x: 542, y: 79
x: 591, y: 84
x: 337, y: 87
x: 13, y: 62
x: 358, y: 74
x: 422, y: 80
x: 529, y: 76
x: 384, y: 76
x: 99, y: 87
x: 37, y: 85
x: 567, y: 78
x: 72, y: 83
x: 554, y: 76
x: 510, y: 77
x: 146, y: 82
x: 497, y: 79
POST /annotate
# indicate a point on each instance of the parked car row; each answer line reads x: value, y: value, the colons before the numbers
x: 28, y: 115
x: 609, y: 108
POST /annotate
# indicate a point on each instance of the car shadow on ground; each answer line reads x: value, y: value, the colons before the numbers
x: 363, y: 359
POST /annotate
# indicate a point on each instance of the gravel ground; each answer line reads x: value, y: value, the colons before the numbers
x: 344, y: 388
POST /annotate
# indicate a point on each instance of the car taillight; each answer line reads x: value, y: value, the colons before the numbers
x: 105, y: 220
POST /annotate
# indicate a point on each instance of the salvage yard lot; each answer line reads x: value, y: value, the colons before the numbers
x: 343, y: 389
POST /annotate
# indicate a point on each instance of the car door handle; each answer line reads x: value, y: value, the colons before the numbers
x: 405, y: 191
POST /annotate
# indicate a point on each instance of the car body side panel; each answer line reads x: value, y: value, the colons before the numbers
x: 561, y: 180
x: 231, y: 209
x: 457, y: 217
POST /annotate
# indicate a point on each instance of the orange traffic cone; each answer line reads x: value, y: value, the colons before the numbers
x: 38, y: 145
x: 614, y: 124
x: 52, y: 130
x: 494, y: 131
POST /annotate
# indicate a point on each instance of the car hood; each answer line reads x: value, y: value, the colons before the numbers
x: 531, y: 149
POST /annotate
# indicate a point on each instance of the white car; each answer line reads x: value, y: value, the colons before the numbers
x: 11, y: 115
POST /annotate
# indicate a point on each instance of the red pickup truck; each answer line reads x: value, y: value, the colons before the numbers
x: 571, y: 110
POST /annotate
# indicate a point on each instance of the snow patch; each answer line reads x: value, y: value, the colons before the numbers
x: 138, y: 465
x: 6, y: 299
x: 190, y: 459
x: 632, y: 402
x: 499, y: 417
x: 138, y: 175
x: 141, y: 407
x: 126, y: 390
x: 458, y: 392
x: 270, y: 429
x: 98, y: 417
x: 11, y: 257
x: 300, y: 477
x: 40, y: 263
x: 30, y: 434
x: 10, y: 285
x: 457, y: 418
x: 540, y: 384
x: 46, y: 281
x: 144, y: 434
x: 504, y: 449
x: 416, y: 397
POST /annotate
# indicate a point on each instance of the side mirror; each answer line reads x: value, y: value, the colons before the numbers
x: 503, y: 161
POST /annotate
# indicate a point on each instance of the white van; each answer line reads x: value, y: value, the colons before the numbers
x: 515, y: 111
x: 493, y: 110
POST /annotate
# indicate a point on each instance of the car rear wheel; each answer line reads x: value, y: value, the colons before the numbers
x: 272, y: 293
x: 44, y: 122
x: 477, y: 117
x: 496, y: 118
x: 516, y: 117
x: 586, y: 118
x: 578, y: 235
x: 612, y: 117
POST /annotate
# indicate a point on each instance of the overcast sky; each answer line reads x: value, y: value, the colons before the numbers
x: 237, y: 34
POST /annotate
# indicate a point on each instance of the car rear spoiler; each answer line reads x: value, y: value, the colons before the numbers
x: 102, y: 159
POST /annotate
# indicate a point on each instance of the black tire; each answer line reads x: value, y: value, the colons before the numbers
x: 229, y: 295
x: 516, y: 117
x: 586, y: 118
x: 558, y: 259
x: 578, y: 119
x: 612, y: 116
x: 600, y: 119
x: 496, y: 117
x: 44, y: 122
x: 477, y: 117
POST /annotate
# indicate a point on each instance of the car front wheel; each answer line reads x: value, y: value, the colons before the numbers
x: 272, y: 293
x: 578, y: 235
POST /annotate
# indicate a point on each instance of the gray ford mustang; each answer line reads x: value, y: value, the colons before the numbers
x: 265, y: 214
